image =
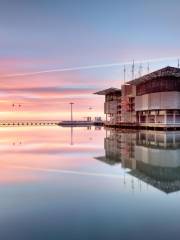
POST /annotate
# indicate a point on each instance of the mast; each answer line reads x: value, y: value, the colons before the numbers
x: 133, y: 68
x: 148, y: 68
x: 124, y: 74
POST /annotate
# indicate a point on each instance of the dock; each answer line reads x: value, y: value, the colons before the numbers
x: 80, y: 123
x: 16, y: 123
x: 11, y: 123
x: 153, y: 126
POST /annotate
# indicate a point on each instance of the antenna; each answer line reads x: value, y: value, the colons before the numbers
x: 133, y: 67
x: 140, y: 70
x: 148, y: 68
x: 124, y: 74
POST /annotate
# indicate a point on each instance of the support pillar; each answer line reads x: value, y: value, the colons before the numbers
x: 155, y: 118
x: 165, y: 118
x: 139, y: 116
x: 146, y: 117
x: 174, y: 117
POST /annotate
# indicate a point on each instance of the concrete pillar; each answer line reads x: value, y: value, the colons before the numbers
x: 155, y: 138
x: 155, y: 118
x: 165, y: 118
x: 139, y: 115
x: 165, y: 140
x: 146, y: 117
x: 174, y: 117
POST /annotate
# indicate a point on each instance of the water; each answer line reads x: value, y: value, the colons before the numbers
x: 64, y: 183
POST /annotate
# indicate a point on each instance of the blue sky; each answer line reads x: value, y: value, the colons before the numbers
x: 87, y: 32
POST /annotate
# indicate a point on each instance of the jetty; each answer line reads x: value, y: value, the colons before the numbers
x: 15, y: 123
x: 80, y: 123
x: 6, y: 123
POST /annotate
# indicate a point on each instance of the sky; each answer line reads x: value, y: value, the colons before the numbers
x: 39, y: 36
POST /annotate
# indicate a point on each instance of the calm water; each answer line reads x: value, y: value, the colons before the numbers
x: 63, y: 183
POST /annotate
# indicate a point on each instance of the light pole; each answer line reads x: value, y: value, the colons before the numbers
x: 90, y: 108
x: 71, y: 103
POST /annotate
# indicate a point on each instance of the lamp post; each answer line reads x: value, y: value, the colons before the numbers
x: 71, y: 103
x: 90, y: 108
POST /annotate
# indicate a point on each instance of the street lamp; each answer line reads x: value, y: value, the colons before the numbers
x: 71, y: 103
x: 89, y: 118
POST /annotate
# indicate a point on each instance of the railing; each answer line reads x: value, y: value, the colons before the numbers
x: 28, y: 122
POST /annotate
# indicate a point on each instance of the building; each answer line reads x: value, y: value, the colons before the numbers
x: 151, y: 101
x: 112, y: 105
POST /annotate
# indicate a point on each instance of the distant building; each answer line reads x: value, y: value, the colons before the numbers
x: 150, y: 101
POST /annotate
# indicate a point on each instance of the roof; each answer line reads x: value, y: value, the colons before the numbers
x: 164, y: 72
x: 108, y: 91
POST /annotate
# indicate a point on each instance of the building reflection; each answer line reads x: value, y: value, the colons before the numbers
x: 149, y: 156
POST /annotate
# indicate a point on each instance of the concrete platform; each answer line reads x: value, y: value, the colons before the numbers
x: 79, y: 123
x: 151, y: 126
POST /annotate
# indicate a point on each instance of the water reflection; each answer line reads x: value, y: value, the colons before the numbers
x: 26, y: 152
x: 51, y: 184
x: 149, y: 156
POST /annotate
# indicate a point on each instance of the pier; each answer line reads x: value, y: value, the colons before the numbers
x: 161, y: 127
x: 6, y: 123
x: 80, y: 123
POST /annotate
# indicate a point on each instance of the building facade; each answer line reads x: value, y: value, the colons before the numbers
x: 112, y: 105
x: 152, y: 100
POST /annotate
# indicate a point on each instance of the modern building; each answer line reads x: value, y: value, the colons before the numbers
x: 151, y: 101
x: 112, y: 105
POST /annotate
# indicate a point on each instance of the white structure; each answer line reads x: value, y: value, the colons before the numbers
x: 152, y: 100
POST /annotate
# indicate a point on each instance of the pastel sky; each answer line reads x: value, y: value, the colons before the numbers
x: 41, y: 35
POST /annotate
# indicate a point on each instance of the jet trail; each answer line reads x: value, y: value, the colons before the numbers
x: 87, y: 67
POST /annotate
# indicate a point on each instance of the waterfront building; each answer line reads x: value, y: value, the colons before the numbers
x: 151, y: 101
x: 112, y: 105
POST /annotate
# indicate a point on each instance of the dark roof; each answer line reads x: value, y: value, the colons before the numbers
x: 164, y: 72
x: 108, y: 91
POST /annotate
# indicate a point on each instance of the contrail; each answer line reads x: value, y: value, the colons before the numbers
x: 87, y: 67
x: 71, y: 172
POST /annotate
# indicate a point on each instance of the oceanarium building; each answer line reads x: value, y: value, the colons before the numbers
x: 151, y: 101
